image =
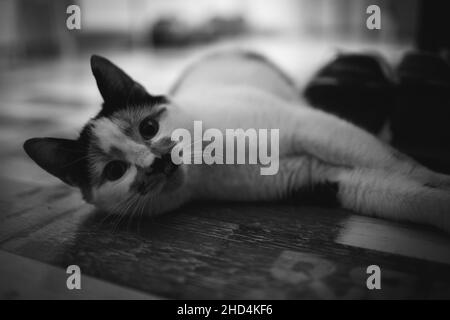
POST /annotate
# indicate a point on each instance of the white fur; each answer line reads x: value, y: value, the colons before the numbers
x: 117, y: 190
x: 109, y: 135
x: 374, y: 179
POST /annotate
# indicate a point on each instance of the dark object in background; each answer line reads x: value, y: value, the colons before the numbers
x: 173, y: 32
x: 420, y: 121
x: 433, y: 33
x: 355, y: 87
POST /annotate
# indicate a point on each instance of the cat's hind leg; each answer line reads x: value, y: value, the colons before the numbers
x: 339, y: 142
x: 392, y: 196
x: 370, y: 192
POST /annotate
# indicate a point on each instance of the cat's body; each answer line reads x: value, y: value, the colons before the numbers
x: 317, y: 151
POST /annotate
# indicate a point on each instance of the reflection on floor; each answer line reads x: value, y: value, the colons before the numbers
x: 207, y: 250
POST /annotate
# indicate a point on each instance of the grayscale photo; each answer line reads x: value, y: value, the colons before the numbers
x: 239, y: 152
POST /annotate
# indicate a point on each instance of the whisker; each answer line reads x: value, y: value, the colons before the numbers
x: 124, y: 210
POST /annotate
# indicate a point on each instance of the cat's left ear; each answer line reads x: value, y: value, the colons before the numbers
x: 62, y: 158
x: 116, y: 87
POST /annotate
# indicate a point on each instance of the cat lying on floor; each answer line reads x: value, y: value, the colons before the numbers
x: 121, y: 160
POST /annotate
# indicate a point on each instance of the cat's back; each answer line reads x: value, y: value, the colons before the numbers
x: 235, y: 69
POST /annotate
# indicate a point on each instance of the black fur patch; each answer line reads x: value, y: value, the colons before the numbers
x: 324, y: 194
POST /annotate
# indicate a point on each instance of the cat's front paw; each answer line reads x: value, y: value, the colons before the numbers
x: 440, y: 181
x: 434, y: 180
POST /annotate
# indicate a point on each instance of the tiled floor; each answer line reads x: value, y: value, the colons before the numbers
x: 206, y: 250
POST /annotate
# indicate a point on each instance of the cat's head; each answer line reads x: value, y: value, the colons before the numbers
x: 122, y: 157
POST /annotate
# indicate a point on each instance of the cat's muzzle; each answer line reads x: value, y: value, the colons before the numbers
x: 163, y: 165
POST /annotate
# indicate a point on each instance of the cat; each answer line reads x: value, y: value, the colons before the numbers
x: 121, y: 160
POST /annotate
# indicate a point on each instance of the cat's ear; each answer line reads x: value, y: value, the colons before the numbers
x: 60, y: 157
x: 115, y: 86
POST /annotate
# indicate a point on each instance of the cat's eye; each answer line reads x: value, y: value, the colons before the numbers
x: 115, y: 170
x: 148, y: 128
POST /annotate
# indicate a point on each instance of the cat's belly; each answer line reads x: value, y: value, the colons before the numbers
x: 245, y: 182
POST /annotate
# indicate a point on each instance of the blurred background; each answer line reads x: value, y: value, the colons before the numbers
x: 31, y: 29
x: 46, y: 87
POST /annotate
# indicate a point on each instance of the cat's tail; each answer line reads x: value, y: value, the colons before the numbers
x: 393, y: 196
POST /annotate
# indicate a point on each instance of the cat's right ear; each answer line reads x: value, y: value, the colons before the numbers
x: 59, y: 157
x: 115, y: 86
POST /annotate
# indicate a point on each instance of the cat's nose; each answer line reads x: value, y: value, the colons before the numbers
x: 162, y: 164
